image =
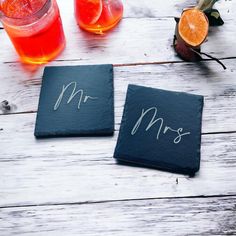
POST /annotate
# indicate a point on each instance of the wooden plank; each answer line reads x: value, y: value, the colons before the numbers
x: 21, y: 87
x: 118, y: 46
x: 136, y: 39
x: 156, y: 8
x: 151, y: 8
x: 145, y: 9
x: 82, y: 169
x: 148, y: 8
x: 193, y: 216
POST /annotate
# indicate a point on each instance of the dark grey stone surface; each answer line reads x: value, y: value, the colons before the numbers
x: 161, y: 129
x: 76, y: 101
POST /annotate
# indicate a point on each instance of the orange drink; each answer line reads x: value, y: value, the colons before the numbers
x: 35, y: 29
x: 98, y: 16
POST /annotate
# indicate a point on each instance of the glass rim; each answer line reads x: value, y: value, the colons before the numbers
x: 44, y: 7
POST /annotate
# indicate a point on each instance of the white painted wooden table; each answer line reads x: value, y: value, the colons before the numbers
x: 72, y: 186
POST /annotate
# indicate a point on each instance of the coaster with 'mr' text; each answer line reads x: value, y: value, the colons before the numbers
x: 76, y: 101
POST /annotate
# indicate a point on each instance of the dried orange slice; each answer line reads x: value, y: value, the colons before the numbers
x: 193, y: 27
x: 88, y: 11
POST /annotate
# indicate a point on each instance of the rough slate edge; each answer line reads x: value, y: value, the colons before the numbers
x: 169, y: 168
x: 106, y: 132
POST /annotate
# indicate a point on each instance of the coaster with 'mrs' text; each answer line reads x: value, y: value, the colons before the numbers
x: 161, y: 129
x: 76, y: 101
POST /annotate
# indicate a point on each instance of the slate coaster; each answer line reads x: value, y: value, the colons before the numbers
x: 161, y: 129
x: 76, y: 101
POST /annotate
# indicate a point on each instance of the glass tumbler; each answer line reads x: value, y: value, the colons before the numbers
x: 98, y: 16
x: 34, y: 27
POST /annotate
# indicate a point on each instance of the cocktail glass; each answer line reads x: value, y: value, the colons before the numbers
x: 98, y: 16
x: 35, y: 29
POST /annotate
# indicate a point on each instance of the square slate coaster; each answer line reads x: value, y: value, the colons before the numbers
x: 161, y: 129
x: 76, y: 101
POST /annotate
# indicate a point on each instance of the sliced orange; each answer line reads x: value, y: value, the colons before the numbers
x: 112, y: 12
x: 88, y: 11
x: 193, y: 27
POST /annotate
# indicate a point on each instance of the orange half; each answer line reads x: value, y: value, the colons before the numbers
x: 193, y: 27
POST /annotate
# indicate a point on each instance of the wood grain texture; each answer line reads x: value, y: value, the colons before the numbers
x: 145, y: 36
x: 21, y: 87
x: 177, y: 217
x: 52, y: 187
x: 82, y: 169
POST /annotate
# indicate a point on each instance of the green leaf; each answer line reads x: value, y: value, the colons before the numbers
x: 206, y: 5
x: 214, y: 18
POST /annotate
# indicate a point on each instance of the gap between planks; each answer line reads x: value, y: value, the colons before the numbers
x: 136, y: 64
x: 115, y: 201
x: 168, y: 62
